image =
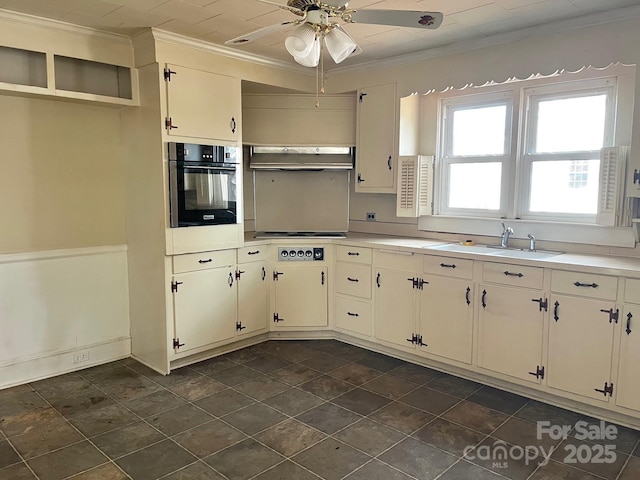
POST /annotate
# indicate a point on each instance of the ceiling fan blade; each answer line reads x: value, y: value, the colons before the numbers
x: 261, y: 32
x: 297, y: 11
x: 400, y: 18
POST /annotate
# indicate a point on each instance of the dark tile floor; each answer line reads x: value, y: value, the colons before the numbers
x: 289, y: 410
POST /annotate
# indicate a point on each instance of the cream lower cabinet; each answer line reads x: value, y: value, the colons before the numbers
x: 581, y: 334
x: 352, y: 282
x: 205, y: 309
x: 300, y: 296
x: 628, y: 388
x: 511, y: 311
x: 446, y: 317
x: 396, y: 306
x: 582, y: 326
x: 253, y: 298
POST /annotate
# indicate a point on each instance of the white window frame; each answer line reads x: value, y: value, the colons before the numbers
x: 447, y: 107
x: 531, y: 97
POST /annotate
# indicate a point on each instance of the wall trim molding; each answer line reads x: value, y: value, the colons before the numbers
x: 62, y: 253
x: 21, y: 371
x: 589, y: 20
x: 62, y: 27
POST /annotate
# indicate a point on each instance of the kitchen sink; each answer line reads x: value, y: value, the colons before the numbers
x: 494, y: 251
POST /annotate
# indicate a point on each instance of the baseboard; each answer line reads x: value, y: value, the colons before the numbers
x: 58, y: 363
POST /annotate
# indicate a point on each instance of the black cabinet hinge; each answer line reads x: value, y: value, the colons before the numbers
x: 168, y: 124
x: 613, y: 314
x: 174, y: 286
x: 177, y: 344
x: 239, y: 274
x: 239, y: 326
x: 167, y: 74
x: 607, y: 390
x: 539, y: 373
x: 413, y: 339
x: 544, y: 304
x: 276, y: 275
x: 277, y: 319
x: 420, y: 342
x: 361, y: 97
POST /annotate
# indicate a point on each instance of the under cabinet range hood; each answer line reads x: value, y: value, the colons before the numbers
x: 301, y: 158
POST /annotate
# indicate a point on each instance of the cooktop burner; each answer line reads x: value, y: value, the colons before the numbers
x: 300, y: 235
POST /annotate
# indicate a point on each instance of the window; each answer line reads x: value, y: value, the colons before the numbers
x: 530, y: 152
x: 476, y: 154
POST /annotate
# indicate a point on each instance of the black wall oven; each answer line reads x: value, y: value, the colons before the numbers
x: 202, y: 184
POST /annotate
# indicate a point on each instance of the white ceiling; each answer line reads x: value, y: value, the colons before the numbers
x: 216, y: 21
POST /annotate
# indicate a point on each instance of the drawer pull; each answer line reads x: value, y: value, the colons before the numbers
x: 352, y: 279
x: 629, y: 317
x: 253, y: 253
x: 588, y: 285
x: 205, y: 261
x: 512, y: 274
x: 448, y: 265
x: 353, y: 253
x: 353, y: 314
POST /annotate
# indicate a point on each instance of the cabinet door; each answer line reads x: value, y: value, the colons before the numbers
x: 301, y: 296
x: 202, y: 104
x: 376, y: 146
x: 580, y: 345
x: 446, y: 318
x: 628, y: 394
x: 205, y: 307
x: 510, y: 327
x: 253, y: 298
x: 395, y: 306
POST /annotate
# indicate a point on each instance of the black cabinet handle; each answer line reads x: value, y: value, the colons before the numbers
x: 352, y: 279
x: 253, y: 253
x: 512, y: 274
x: 484, y: 296
x: 322, y: 278
x: 629, y: 317
x: 448, y: 265
x: 205, y: 261
x: 233, y: 125
x: 555, y: 311
x: 588, y: 285
x: 466, y: 296
x: 264, y: 274
x: 389, y: 162
x: 378, y: 280
x: 353, y: 253
x: 352, y: 314
x: 230, y: 279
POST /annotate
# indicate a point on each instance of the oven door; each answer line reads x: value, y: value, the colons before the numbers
x: 202, y: 193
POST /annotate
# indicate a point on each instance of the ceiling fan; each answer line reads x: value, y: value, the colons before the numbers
x: 319, y: 20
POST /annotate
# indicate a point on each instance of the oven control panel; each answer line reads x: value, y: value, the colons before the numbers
x: 301, y: 254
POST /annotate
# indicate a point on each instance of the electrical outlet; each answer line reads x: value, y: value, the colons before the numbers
x: 81, y: 357
x: 371, y: 216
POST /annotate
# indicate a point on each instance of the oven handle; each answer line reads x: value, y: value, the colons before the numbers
x: 218, y: 169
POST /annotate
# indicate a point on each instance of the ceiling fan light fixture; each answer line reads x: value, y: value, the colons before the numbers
x: 313, y: 58
x: 339, y: 44
x: 300, y: 42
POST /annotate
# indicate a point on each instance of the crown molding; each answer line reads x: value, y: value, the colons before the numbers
x: 170, y: 37
x: 58, y: 26
x: 590, y: 20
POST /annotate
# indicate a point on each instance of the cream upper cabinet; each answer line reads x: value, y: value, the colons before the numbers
x: 377, y: 139
x: 446, y: 317
x: 204, y: 304
x: 202, y: 104
x: 628, y: 391
x: 253, y: 297
x: 300, y: 296
x: 581, y: 332
x: 510, y: 331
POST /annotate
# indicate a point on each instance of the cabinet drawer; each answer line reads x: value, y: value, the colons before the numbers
x: 202, y: 261
x: 514, y: 275
x: 252, y: 254
x: 632, y: 291
x: 353, y: 254
x: 398, y: 260
x: 353, y: 315
x: 584, y: 284
x: 352, y: 279
x: 450, y: 267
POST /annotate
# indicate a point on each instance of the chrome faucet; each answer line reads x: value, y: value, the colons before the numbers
x: 532, y: 242
x: 506, y: 233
